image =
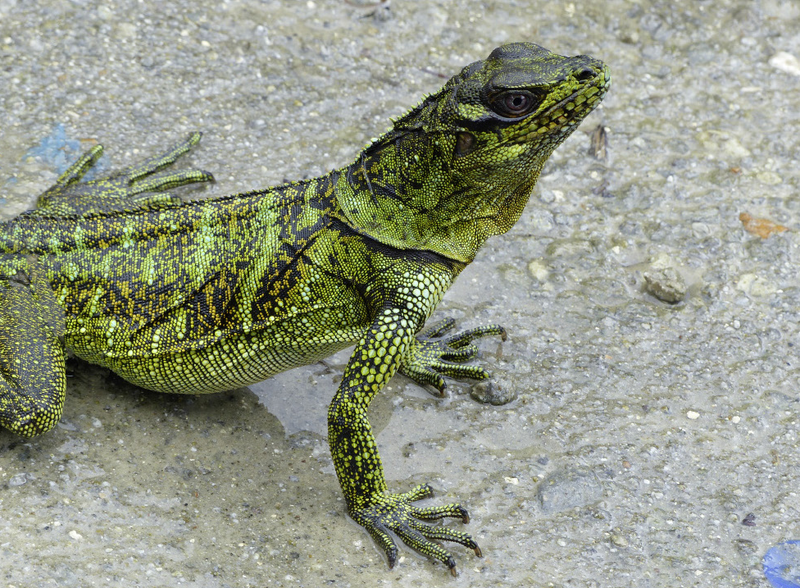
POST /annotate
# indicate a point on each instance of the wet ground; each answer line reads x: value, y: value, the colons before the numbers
x: 650, y: 444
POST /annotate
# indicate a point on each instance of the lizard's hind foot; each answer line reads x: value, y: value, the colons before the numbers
x: 132, y: 188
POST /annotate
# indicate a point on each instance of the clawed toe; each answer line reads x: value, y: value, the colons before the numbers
x: 395, y: 513
x: 433, y: 357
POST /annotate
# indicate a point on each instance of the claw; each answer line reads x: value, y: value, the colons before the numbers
x: 392, y: 557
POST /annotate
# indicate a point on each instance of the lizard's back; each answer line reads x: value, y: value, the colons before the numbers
x: 227, y: 290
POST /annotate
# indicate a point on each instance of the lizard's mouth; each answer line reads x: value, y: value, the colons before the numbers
x: 578, y: 104
x: 562, y: 117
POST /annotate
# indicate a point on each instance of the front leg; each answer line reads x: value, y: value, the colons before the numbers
x: 355, y: 455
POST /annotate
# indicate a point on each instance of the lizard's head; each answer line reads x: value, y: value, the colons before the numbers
x: 510, y: 112
x: 460, y: 166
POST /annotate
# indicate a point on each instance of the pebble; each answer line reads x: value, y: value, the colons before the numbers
x: 538, y: 270
x: 665, y: 283
x: 619, y: 540
x: 492, y: 392
x: 786, y: 62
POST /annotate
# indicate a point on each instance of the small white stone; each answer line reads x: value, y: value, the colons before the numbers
x: 786, y: 62
x: 538, y: 270
x: 693, y: 415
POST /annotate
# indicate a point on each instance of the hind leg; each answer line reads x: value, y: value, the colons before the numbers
x: 131, y: 188
x: 32, y: 355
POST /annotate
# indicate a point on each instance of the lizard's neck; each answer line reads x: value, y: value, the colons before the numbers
x: 406, y: 191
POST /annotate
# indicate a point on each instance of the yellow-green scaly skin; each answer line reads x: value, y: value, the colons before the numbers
x: 210, y: 295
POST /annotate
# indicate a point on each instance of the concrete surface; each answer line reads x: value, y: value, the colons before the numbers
x: 651, y: 444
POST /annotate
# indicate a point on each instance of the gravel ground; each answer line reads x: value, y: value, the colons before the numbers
x: 650, y: 292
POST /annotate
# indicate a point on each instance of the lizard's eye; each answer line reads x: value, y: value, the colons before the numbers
x: 514, y: 104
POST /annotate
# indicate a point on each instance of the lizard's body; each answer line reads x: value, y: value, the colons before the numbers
x: 204, y: 296
x: 209, y: 295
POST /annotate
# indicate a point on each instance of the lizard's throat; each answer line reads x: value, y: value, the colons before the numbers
x: 454, y: 225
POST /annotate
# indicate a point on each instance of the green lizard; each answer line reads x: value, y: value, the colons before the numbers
x: 209, y: 295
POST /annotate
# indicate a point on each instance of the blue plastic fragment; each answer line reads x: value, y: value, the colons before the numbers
x: 59, y: 151
x: 782, y: 565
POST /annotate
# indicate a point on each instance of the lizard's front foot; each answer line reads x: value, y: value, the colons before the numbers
x: 434, y: 356
x: 394, y: 512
